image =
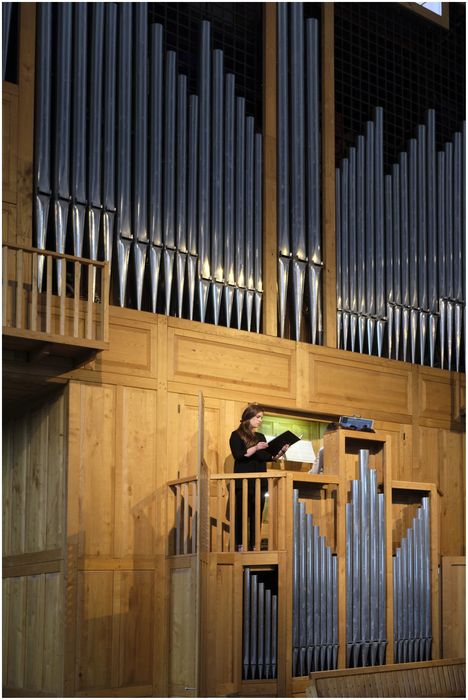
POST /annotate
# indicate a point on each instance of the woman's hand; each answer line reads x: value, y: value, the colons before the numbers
x: 281, y: 453
x: 261, y: 446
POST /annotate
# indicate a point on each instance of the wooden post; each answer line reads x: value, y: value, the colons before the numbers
x: 27, y: 50
x: 328, y: 175
x: 270, y: 245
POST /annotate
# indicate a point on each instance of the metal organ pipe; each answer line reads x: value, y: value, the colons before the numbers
x: 315, y: 628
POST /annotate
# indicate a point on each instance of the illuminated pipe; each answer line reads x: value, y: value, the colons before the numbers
x: 204, y: 161
x: 389, y: 257
x: 140, y: 164
x: 43, y: 100
x: 405, y: 290
x: 338, y: 244
x: 95, y: 106
x: 169, y: 151
x: 249, y: 217
x: 396, y: 264
x: 155, y: 185
x: 370, y: 232
x: 352, y: 262
x: 258, y: 232
x: 240, y: 207
x: 78, y: 158
x: 217, y: 170
x: 413, y: 243
x: 283, y: 134
x: 422, y: 241
x: 297, y: 131
x: 61, y: 183
x: 192, y: 258
x: 110, y: 111
x: 345, y: 248
x: 361, y: 240
x: 181, y: 190
x: 313, y: 143
x: 124, y: 122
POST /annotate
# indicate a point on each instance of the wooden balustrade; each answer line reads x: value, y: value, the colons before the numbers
x: 223, y: 505
x: 54, y: 297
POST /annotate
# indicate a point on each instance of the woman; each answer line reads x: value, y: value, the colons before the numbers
x: 248, y: 447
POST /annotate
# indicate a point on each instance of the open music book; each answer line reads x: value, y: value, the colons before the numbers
x: 286, y: 438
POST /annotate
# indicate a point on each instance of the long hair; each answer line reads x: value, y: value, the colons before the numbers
x: 244, y: 429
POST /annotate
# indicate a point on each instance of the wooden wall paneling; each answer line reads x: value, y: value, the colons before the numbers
x: 27, y: 50
x: 56, y: 474
x: 162, y: 585
x: 453, y: 607
x: 14, y: 672
x: 328, y: 174
x: 9, y: 148
x: 341, y: 383
x: 182, y: 629
x: 441, y: 397
x: 73, y: 499
x: 270, y: 242
x: 452, y: 483
x: 34, y: 647
x: 135, y: 466
x: 135, y: 617
x: 5, y: 626
x: 426, y: 455
x: 52, y: 672
x: 224, y: 618
x: 36, y: 481
x: 7, y: 478
x: 228, y: 364
x: 94, y: 630
x: 97, y: 469
x: 8, y: 223
x: 18, y: 497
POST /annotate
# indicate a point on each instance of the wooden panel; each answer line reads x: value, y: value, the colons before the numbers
x: 426, y: 455
x: 441, y: 396
x: 94, y: 630
x: 95, y: 443
x: 56, y: 466
x: 35, y: 608
x: 18, y: 496
x: 206, y: 359
x: 136, y: 454
x: 7, y: 476
x: 52, y: 679
x: 183, y: 421
x: 442, y: 678
x: 36, y: 485
x: 5, y: 623
x: 452, y: 484
x: 17, y: 633
x: 133, y: 341
x: 182, y: 626
x: 453, y: 607
x: 8, y: 222
x: 135, y: 612
x: 359, y: 386
x: 226, y: 618
x: 9, y: 146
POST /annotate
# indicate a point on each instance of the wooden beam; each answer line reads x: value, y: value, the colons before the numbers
x: 270, y: 245
x: 328, y: 175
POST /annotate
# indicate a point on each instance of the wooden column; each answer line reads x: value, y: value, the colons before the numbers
x: 270, y: 245
x: 328, y: 174
x: 27, y: 49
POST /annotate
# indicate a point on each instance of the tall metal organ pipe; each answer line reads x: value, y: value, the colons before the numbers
x: 259, y: 627
x: 410, y: 286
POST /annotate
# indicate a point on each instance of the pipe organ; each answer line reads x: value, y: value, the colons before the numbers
x: 299, y: 231
x: 400, y: 248
x: 128, y: 161
x: 260, y: 627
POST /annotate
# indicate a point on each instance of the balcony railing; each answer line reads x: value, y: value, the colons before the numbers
x: 184, y: 517
x: 54, y: 298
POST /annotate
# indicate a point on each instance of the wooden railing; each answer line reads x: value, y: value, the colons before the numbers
x: 54, y: 297
x: 183, y: 512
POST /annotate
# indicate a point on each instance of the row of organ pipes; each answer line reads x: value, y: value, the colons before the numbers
x: 299, y: 231
x: 412, y: 591
x: 169, y: 180
x: 400, y: 242
x: 260, y: 627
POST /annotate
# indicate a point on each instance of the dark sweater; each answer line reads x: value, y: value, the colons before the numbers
x: 242, y: 464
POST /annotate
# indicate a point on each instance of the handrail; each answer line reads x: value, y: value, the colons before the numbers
x: 54, y: 254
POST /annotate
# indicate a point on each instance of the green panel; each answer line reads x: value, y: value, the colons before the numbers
x: 309, y: 429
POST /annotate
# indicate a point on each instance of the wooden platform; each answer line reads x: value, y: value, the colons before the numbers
x: 444, y: 678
